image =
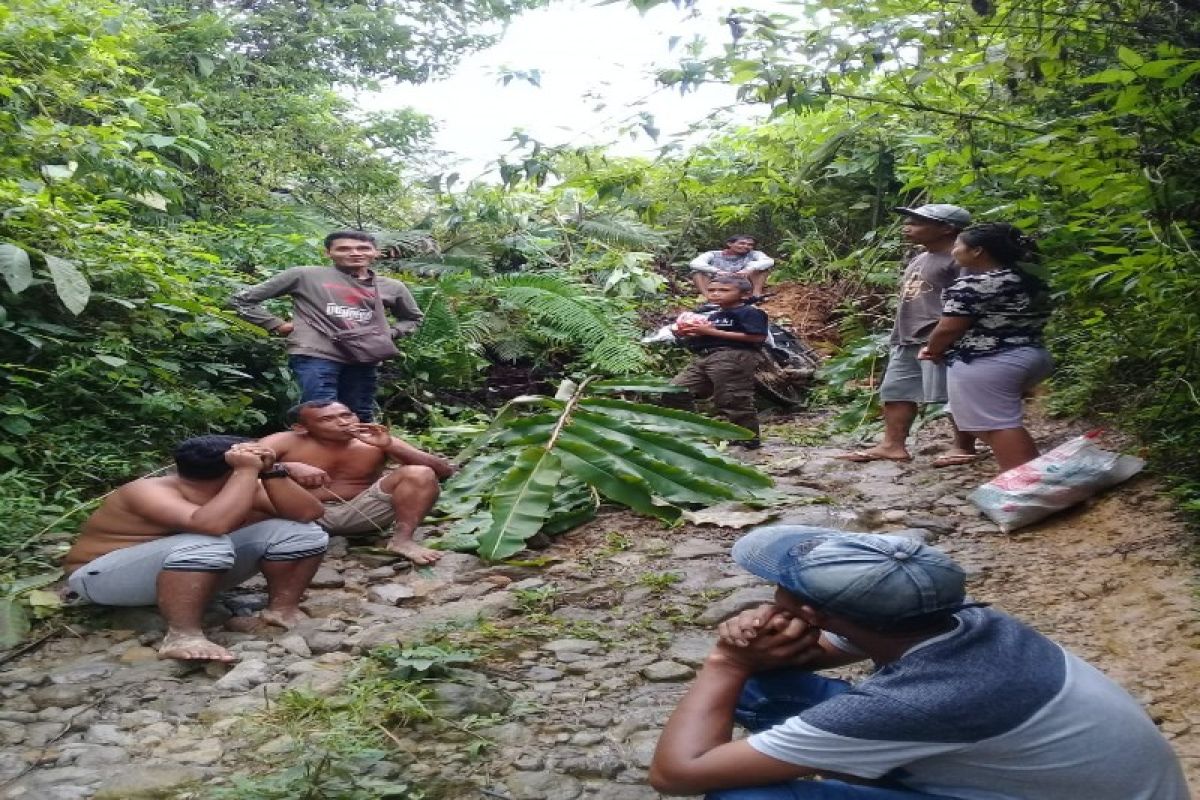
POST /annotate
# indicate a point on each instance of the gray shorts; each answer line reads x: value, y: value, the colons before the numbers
x: 129, y: 576
x: 985, y: 393
x: 907, y: 380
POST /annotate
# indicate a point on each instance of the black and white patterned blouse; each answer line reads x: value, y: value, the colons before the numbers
x: 1008, y: 310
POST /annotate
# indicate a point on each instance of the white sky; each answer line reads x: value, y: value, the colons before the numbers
x: 589, y: 56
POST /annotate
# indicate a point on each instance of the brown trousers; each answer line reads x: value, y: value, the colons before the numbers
x: 727, y: 376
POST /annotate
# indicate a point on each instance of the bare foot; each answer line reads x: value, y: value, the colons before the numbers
x: 876, y: 454
x: 414, y: 552
x: 192, y: 647
x: 283, y: 617
x: 955, y: 457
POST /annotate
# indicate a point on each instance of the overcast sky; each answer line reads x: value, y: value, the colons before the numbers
x: 597, y: 63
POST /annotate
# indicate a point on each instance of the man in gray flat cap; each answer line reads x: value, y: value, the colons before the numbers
x: 965, y: 702
x: 909, y: 382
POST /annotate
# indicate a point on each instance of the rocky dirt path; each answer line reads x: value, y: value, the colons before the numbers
x: 581, y: 656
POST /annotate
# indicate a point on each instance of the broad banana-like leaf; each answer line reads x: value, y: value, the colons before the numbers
x: 666, y: 481
x: 648, y: 385
x: 670, y: 420
x: 14, y: 622
x: 595, y: 466
x: 508, y: 412
x: 463, y: 493
x: 681, y: 453
x: 574, y: 503
x: 463, y: 535
x: 526, y: 431
x: 520, y: 502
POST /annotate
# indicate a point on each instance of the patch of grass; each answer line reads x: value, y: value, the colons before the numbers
x: 536, y: 602
x: 659, y: 582
x: 347, y: 746
x: 615, y: 542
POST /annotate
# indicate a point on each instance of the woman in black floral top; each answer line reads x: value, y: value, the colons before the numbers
x: 990, y: 334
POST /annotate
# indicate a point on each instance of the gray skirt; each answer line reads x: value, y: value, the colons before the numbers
x: 985, y: 393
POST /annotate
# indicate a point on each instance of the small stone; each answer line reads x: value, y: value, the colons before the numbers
x: 641, y: 747
x: 572, y: 646
x: 390, y: 594
x: 698, y: 548
x: 203, y: 752
x: 25, y: 675
x: 571, y: 658
x: 459, y: 700
x: 98, y: 755
x: 61, y: 695
x: 40, y: 734
x: 543, y: 786
x: 140, y: 718
x: 667, y: 672
x: 325, y: 641
x: 587, y: 738
x: 735, y: 603
x: 11, y: 733
x: 321, y: 682
x: 380, y: 573
x: 245, y: 676
x: 691, y: 648
x: 294, y: 643
x: 280, y: 745
x: 541, y: 674
x: 107, y: 734
x: 917, y: 534
x: 327, y: 578
x: 529, y: 763
x: 81, y: 672
x: 138, y: 655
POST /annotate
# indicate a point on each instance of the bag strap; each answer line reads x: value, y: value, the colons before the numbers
x: 381, y: 317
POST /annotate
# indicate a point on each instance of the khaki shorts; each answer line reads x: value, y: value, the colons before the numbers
x: 370, y: 512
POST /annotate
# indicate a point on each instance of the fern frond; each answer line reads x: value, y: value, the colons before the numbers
x: 567, y: 311
x: 445, y: 265
x: 620, y: 232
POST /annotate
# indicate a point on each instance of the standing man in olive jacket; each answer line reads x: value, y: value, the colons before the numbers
x: 330, y: 307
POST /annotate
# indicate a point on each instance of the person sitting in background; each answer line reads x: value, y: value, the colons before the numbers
x: 738, y: 258
x: 346, y: 467
x: 965, y: 702
x: 229, y: 512
x: 990, y: 334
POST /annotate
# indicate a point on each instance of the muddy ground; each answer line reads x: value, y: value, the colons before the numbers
x: 582, y: 652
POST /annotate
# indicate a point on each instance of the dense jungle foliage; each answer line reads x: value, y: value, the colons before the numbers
x: 157, y: 154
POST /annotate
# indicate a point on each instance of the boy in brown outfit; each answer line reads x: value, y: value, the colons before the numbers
x: 727, y: 348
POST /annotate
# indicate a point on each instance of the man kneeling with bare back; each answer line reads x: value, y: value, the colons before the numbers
x: 228, y: 513
x: 344, y: 464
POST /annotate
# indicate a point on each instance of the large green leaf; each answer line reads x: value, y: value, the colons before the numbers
x: 670, y: 420
x: 503, y: 416
x: 598, y: 468
x: 574, y: 503
x: 649, y: 385
x: 677, y: 452
x: 14, y: 622
x: 520, y: 503
x: 72, y: 287
x: 665, y: 480
x: 463, y: 493
x: 14, y: 266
